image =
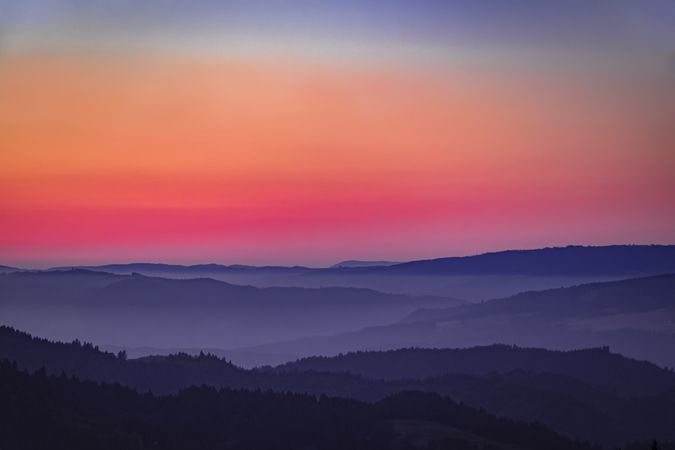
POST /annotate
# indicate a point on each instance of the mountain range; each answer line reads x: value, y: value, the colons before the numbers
x: 68, y: 414
x: 202, y: 312
x: 522, y: 349
x: 635, y: 317
x: 470, y: 278
x: 589, y: 394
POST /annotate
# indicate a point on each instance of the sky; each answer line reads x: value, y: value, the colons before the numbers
x: 305, y: 132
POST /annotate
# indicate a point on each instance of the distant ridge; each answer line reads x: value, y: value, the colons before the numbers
x: 470, y: 278
x: 162, y: 312
x: 356, y: 263
x: 633, y: 316
x: 570, y: 260
x: 161, y: 267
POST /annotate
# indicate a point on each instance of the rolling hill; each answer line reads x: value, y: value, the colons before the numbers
x: 596, y: 366
x: 590, y: 394
x: 205, y: 313
x: 635, y: 317
x: 471, y: 278
x: 4, y: 269
x: 68, y: 414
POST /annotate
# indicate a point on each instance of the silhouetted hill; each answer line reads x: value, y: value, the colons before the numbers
x: 244, y: 359
x: 471, y: 278
x: 356, y: 263
x: 572, y: 260
x: 166, y: 373
x: 598, y: 367
x: 599, y: 412
x: 199, y: 269
x: 593, y: 299
x: 71, y: 414
x: 192, y: 312
x: 8, y: 269
x: 563, y: 403
x: 258, y: 276
x: 634, y: 317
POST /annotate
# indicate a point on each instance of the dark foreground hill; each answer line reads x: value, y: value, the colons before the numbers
x: 635, y: 317
x: 42, y: 412
x: 596, y: 366
x: 630, y: 401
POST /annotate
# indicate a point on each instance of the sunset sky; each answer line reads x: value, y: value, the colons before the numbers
x: 308, y: 132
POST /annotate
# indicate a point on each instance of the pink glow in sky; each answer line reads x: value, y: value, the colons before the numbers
x: 310, y: 151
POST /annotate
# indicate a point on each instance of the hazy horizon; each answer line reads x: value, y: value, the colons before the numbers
x: 311, y: 264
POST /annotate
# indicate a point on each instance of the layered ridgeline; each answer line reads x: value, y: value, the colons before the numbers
x: 136, y: 310
x: 69, y: 414
x: 597, y: 366
x: 472, y: 278
x: 588, y: 394
x: 635, y: 317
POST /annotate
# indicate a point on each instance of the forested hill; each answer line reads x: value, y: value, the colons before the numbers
x: 70, y: 415
x: 634, y: 317
x: 597, y: 366
x: 595, y: 412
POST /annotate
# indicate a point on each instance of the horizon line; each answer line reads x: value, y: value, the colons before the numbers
x: 291, y: 265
